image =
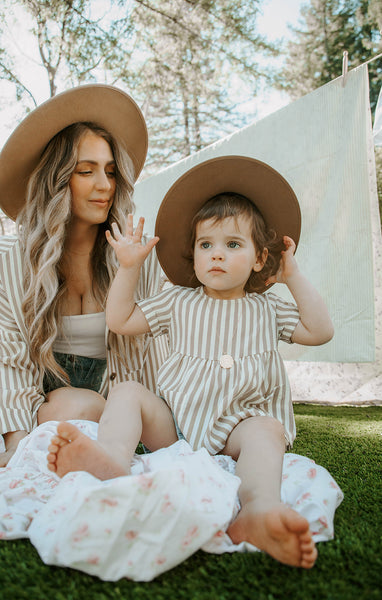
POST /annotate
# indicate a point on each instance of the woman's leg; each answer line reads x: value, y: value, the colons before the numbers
x: 258, y: 446
x: 67, y: 403
x: 132, y: 413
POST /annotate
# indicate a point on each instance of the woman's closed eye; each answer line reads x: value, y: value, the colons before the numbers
x: 89, y: 172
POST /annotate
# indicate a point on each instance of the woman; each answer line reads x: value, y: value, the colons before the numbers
x: 66, y: 173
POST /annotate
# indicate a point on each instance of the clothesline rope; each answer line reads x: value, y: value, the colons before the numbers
x: 345, y: 63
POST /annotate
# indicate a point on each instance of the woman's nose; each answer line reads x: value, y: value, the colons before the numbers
x: 103, y: 182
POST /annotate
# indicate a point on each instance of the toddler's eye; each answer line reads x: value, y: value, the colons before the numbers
x: 205, y: 245
x: 233, y: 245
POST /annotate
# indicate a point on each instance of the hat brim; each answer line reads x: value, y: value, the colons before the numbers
x: 105, y: 105
x: 260, y: 183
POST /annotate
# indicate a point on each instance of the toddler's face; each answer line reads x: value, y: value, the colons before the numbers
x: 224, y: 256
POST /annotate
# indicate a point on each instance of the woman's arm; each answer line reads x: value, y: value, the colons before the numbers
x: 315, y: 326
x: 123, y: 316
x: 20, y: 385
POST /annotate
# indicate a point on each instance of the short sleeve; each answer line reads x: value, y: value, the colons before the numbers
x: 151, y: 277
x: 21, y: 395
x: 159, y: 309
x: 287, y: 317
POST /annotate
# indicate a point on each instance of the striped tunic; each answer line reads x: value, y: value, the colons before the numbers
x: 206, y: 399
x: 21, y: 382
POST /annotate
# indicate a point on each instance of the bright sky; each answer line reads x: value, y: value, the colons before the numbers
x: 277, y: 14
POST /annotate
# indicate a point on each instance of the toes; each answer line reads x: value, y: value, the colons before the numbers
x: 53, y: 447
x: 67, y: 431
x: 51, y: 457
x: 306, y: 537
x: 309, y: 556
x: 307, y: 564
x: 296, y: 523
x: 52, y: 466
x: 56, y: 443
x: 307, y: 542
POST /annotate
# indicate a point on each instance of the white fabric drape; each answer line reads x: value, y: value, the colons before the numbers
x: 174, y: 503
x: 377, y: 127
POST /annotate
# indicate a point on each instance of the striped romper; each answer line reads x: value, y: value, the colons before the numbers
x: 207, y: 400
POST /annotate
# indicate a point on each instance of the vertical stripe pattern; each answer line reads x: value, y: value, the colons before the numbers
x: 21, y: 383
x: 208, y: 400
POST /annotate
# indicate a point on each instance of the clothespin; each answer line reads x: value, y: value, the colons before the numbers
x: 344, y: 67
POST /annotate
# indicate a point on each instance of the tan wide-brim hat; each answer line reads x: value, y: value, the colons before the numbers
x: 260, y: 183
x: 105, y: 105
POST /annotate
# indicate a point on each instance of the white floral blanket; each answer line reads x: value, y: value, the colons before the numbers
x: 175, y: 502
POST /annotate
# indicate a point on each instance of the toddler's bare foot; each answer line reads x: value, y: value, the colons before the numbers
x: 279, y: 531
x: 71, y: 450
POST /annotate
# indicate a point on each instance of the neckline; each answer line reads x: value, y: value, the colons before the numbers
x: 203, y: 293
x: 97, y: 314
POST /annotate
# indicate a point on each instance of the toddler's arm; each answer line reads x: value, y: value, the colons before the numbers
x: 122, y: 314
x: 315, y: 326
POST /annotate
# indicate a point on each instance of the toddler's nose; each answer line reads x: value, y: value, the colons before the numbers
x: 218, y: 254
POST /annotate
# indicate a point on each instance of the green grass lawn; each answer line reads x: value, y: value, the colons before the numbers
x: 348, y: 442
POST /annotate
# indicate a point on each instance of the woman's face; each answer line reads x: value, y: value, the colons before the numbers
x: 92, y: 183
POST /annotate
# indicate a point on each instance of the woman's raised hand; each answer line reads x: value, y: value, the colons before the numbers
x: 128, y: 248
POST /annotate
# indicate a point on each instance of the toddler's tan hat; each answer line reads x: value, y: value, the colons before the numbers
x: 105, y: 105
x: 260, y: 183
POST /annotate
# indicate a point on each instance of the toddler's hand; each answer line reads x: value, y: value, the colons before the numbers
x: 288, y: 264
x: 129, y: 249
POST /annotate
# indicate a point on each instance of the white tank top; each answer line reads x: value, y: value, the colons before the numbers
x: 83, y: 335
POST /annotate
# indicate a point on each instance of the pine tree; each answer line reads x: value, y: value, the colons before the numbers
x: 327, y: 29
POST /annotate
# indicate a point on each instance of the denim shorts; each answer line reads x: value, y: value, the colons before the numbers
x: 83, y: 372
x: 178, y: 432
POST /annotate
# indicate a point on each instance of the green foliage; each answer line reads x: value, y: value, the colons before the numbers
x: 192, y: 57
x: 186, y: 62
x: 378, y: 167
x: 347, y: 442
x: 327, y: 29
x: 69, y: 41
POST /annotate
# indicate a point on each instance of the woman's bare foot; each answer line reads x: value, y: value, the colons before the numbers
x: 280, y: 531
x: 71, y: 450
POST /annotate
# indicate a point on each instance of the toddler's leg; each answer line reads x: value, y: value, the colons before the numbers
x: 71, y: 403
x: 131, y: 413
x: 258, y: 445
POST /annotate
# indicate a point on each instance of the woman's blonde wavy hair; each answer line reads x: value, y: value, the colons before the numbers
x: 42, y: 229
